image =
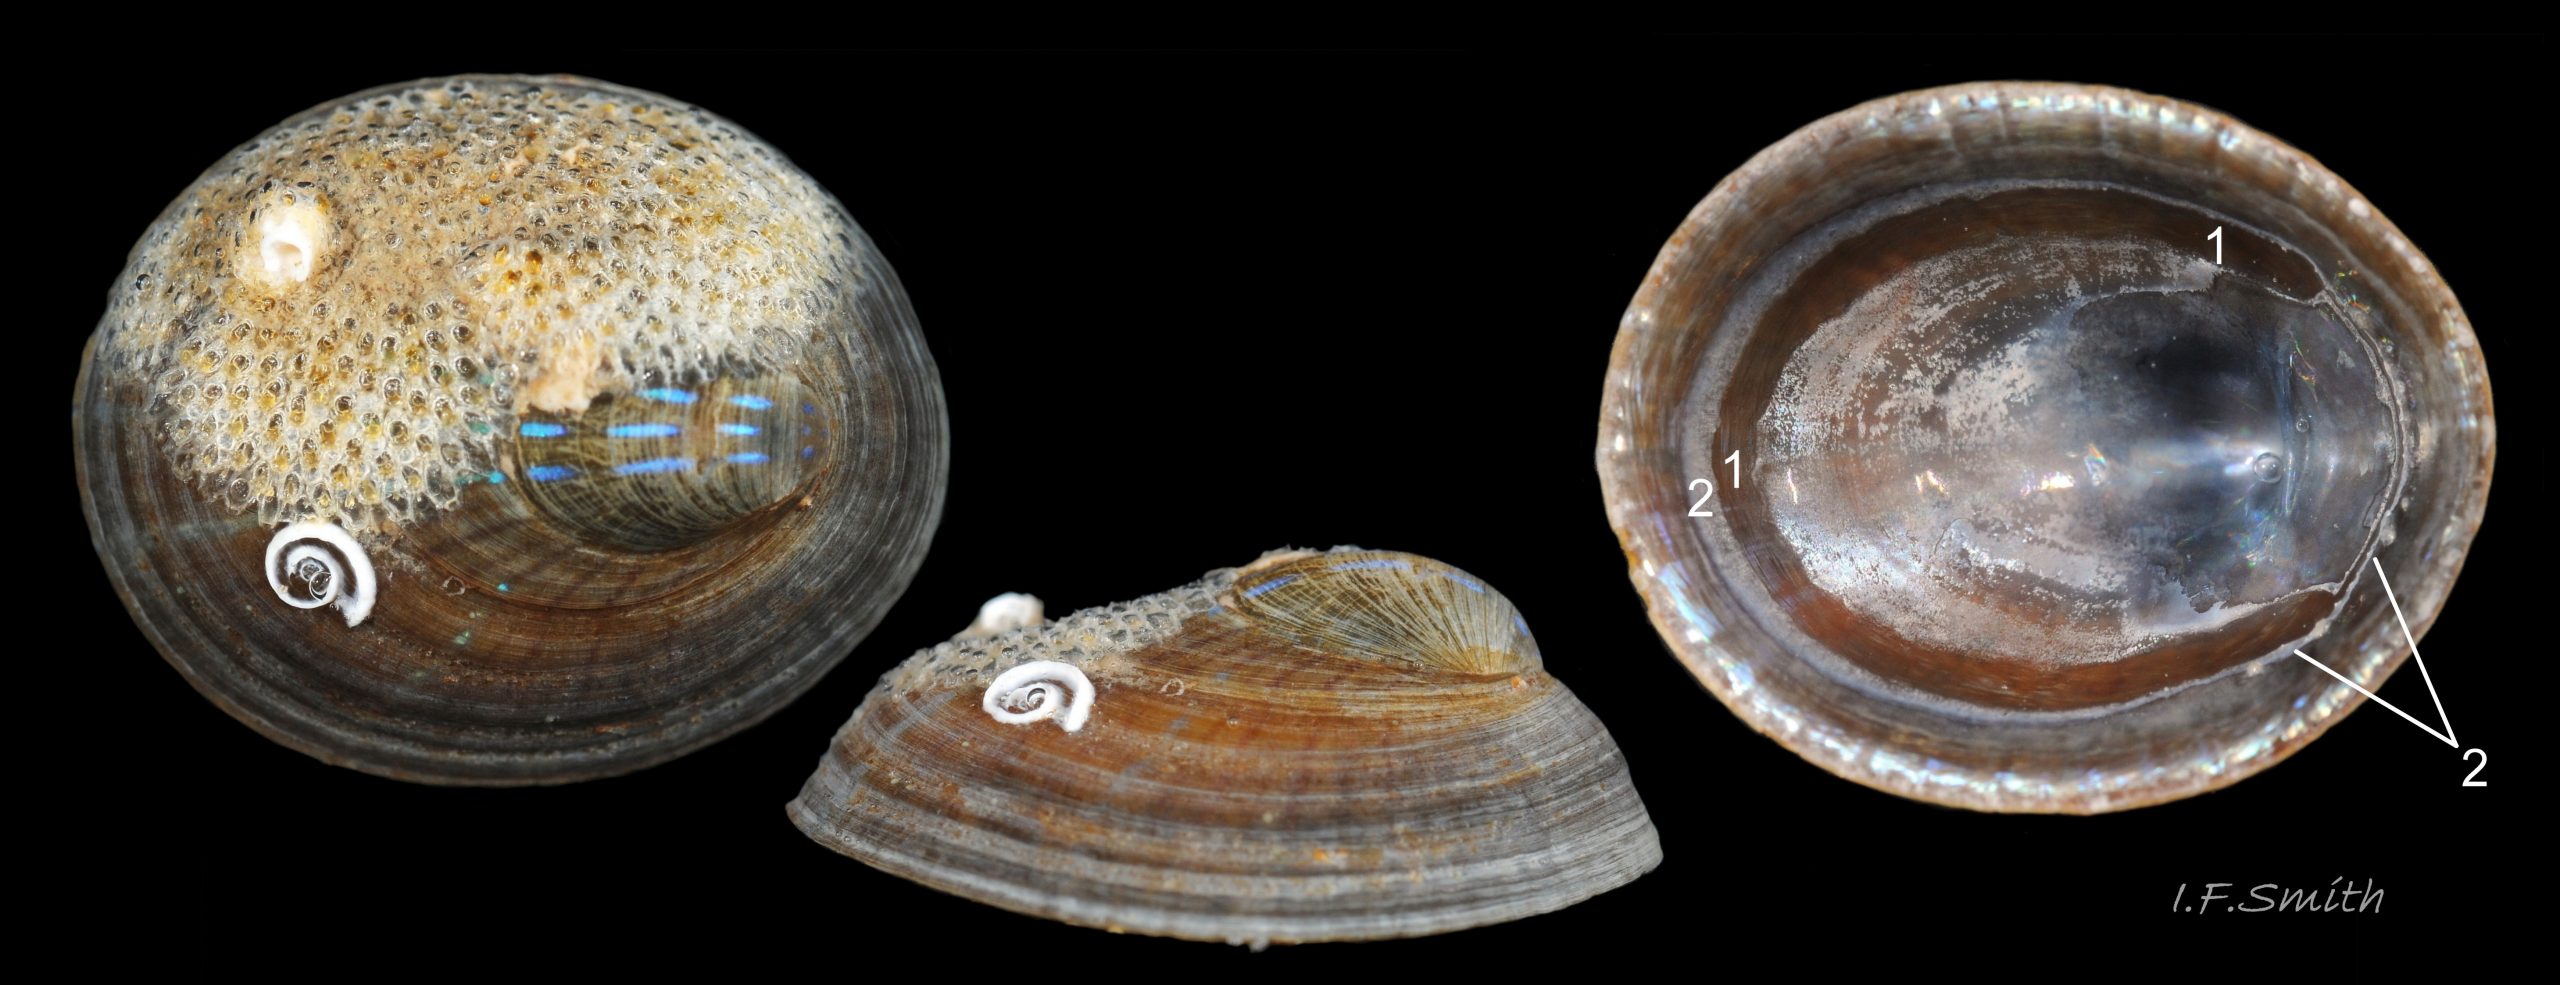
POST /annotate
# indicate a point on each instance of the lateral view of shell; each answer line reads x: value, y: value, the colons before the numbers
x: 503, y: 430
x: 1318, y: 746
x: 1999, y: 445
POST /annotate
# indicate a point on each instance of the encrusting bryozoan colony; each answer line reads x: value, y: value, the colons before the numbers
x: 627, y: 421
x: 351, y: 313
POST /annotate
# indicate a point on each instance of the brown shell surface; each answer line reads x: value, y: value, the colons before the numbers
x: 631, y: 422
x: 1320, y: 746
x: 1833, y: 593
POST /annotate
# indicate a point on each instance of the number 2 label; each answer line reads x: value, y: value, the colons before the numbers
x: 1699, y: 508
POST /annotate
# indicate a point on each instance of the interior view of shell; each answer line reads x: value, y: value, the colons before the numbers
x: 2043, y: 424
x: 507, y: 430
x: 2061, y: 458
x: 1336, y: 745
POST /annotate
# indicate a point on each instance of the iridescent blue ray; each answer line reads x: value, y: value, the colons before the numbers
x: 650, y: 465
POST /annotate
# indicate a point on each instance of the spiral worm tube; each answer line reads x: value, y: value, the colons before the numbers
x: 1030, y: 687
x: 311, y: 564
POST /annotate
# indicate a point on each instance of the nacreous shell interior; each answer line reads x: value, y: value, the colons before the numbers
x: 1997, y: 445
x: 2025, y: 446
x: 1319, y: 746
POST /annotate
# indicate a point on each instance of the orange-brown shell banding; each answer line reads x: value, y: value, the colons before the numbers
x: 1318, y: 746
x: 600, y: 430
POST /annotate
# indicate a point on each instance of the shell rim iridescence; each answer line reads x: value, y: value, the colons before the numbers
x: 1690, y: 628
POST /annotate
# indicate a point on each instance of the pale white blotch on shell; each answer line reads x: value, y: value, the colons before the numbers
x: 1006, y: 612
x: 1033, y: 688
x: 290, y: 238
x: 328, y: 546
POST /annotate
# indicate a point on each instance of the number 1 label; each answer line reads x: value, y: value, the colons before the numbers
x: 1699, y: 508
x: 2217, y: 245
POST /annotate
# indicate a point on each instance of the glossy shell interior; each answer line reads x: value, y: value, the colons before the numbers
x: 2035, y: 499
x: 1320, y: 746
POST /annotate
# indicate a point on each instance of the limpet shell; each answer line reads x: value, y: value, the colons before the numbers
x: 1998, y: 445
x: 505, y: 430
x: 1318, y: 746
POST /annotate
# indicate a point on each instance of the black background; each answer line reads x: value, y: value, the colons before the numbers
x: 1191, y: 306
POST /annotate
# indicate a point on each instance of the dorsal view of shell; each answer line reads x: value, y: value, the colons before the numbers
x: 583, y: 375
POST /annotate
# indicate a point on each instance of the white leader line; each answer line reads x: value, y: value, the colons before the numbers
x: 2445, y: 736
